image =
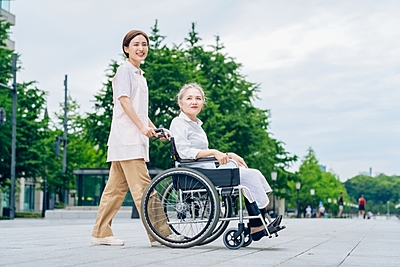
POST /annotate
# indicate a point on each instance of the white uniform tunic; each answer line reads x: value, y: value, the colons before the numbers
x: 190, y: 138
x: 126, y: 141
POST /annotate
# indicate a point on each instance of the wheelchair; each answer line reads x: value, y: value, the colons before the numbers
x: 196, y: 203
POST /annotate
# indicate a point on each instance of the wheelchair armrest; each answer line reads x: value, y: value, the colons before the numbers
x: 207, y: 159
x: 189, y: 161
x: 234, y: 162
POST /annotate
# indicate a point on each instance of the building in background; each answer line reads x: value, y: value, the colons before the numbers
x: 369, y: 173
x: 6, y: 15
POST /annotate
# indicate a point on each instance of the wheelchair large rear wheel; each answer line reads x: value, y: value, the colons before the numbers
x: 226, y: 210
x: 181, y: 201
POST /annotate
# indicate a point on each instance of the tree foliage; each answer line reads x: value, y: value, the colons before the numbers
x: 5, y: 53
x: 97, y: 124
x: 32, y: 134
x: 378, y: 191
x: 81, y: 153
x: 5, y: 102
x: 32, y: 130
x: 326, y: 185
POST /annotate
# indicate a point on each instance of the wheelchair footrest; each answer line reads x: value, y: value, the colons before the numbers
x: 275, y: 229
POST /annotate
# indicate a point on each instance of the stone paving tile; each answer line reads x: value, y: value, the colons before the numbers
x: 305, y: 242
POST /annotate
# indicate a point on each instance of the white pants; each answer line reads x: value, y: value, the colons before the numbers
x: 257, y: 184
x: 255, y: 181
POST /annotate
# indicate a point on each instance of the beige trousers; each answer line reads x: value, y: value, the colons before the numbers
x: 132, y: 174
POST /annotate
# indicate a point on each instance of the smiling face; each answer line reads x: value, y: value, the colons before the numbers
x: 191, y: 102
x: 137, y: 50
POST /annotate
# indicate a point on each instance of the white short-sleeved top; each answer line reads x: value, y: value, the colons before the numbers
x: 125, y: 141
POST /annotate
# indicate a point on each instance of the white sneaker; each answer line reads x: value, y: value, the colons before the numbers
x: 107, y: 241
x: 176, y: 237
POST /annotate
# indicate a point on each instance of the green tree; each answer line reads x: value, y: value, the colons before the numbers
x: 5, y: 102
x: 80, y: 152
x: 230, y: 119
x: 167, y: 69
x: 32, y: 134
x: 97, y: 124
x: 32, y: 123
x: 326, y: 185
x: 378, y: 191
x: 32, y: 130
x: 5, y: 53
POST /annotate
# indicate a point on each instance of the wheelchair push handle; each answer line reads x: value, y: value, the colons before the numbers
x: 162, y: 133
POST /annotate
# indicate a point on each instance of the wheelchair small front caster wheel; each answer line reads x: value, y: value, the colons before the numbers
x: 230, y: 241
x: 247, y: 238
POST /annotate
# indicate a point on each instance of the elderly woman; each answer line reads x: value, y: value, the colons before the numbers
x: 191, y: 143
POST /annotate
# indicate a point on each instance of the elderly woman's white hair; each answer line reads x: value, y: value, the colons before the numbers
x: 188, y: 86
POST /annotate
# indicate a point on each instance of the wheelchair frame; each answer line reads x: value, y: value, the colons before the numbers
x: 196, y: 206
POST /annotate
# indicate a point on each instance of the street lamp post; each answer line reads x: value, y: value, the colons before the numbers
x: 63, y: 140
x: 312, y: 192
x: 298, y: 186
x: 64, y: 163
x: 274, y: 176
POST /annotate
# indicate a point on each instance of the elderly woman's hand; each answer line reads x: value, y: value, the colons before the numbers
x: 221, y: 157
x: 237, y: 158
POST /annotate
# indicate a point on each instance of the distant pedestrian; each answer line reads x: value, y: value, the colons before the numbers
x: 361, y: 206
x: 369, y: 215
x: 340, y: 202
x: 308, y: 212
x: 321, y: 211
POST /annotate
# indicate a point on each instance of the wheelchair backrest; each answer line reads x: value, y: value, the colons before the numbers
x: 174, y: 154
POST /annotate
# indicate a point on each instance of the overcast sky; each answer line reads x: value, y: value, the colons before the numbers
x: 329, y: 70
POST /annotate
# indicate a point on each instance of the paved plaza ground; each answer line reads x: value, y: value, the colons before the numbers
x: 305, y: 242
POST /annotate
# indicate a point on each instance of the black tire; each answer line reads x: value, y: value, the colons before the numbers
x: 226, y: 210
x: 231, y: 242
x: 187, y: 200
x: 247, y: 237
